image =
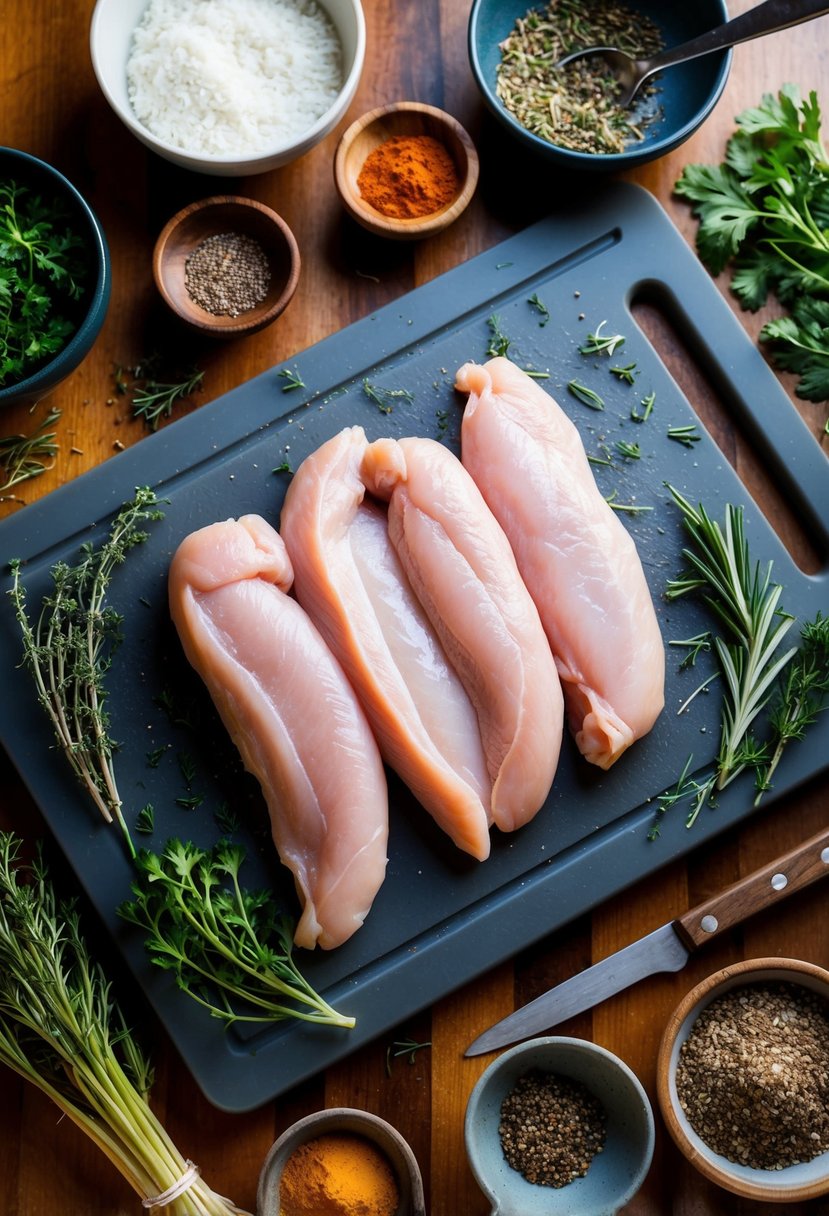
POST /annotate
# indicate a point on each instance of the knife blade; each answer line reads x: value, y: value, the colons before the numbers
x: 665, y: 949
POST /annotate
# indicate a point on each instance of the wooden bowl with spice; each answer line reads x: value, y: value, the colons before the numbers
x: 743, y: 1079
x: 344, y: 1162
x: 406, y: 170
x: 226, y: 266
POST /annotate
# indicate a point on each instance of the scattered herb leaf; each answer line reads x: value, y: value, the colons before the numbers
x: 686, y: 435
x: 540, y: 307
x: 499, y: 343
x: 586, y: 395
x: 625, y: 372
x: 647, y: 402
x: 293, y: 379
x: 384, y: 398
x: 602, y: 344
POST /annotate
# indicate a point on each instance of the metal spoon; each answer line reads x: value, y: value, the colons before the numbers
x: 765, y: 18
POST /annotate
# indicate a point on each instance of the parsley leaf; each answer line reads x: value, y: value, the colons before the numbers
x: 42, y: 272
x: 765, y: 211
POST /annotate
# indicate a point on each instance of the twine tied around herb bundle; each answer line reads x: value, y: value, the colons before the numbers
x: 178, y: 1188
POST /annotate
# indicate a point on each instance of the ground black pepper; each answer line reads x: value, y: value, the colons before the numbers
x: 551, y: 1128
x: 753, y: 1075
x: 227, y: 274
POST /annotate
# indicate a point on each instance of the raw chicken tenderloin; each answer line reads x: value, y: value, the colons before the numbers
x: 576, y: 557
x: 462, y: 569
x: 293, y: 716
x: 349, y: 580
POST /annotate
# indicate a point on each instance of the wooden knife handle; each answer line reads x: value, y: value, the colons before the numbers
x: 789, y: 873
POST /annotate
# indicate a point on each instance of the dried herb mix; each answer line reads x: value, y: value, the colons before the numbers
x: 551, y: 1128
x: 574, y: 106
x: 753, y: 1075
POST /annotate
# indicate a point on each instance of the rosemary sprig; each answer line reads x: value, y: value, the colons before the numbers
x: 24, y: 456
x: 602, y: 344
x: 700, y: 644
x: 586, y: 395
x: 746, y: 603
x: 69, y: 648
x: 155, y: 400
x: 228, y: 947
x: 631, y: 451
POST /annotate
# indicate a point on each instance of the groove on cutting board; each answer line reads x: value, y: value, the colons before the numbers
x: 725, y: 428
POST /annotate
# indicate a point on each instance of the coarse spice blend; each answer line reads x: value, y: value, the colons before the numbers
x: 551, y: 1128
x: 227, y: 274
x: 575, y: 106
x: 753, y: 1075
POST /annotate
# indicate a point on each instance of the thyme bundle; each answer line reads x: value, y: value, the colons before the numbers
x: 62, y: 1030
x: 575, y: 106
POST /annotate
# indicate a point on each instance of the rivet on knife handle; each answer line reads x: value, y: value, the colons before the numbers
x: 787, y: 874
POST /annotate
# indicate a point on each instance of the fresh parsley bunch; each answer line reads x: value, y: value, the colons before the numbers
x: 42, y: 269
x: 766, y: 211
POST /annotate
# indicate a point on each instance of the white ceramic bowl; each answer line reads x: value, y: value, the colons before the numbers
x: 794, y: 1184
x: 113, y: 22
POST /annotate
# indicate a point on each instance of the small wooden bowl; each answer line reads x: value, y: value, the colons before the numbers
x: 212, y: 217
x: 795, y: 1183
x: 403, y: 118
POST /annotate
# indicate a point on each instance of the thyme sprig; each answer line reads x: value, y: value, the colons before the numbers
x: 62, y: 1029
x: 747, y: 604
x: 801, y: 697
x: 384, y: 398
x: 69, y: 647
x: 228, y: 947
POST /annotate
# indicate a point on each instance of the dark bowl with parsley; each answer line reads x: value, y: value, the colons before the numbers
x: 55, y: 277
x: 568, y: 115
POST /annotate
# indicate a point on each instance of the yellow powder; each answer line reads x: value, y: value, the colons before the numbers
x: 338, y: 1174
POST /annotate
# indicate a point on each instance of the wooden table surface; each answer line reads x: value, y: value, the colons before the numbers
x: 50, y: 106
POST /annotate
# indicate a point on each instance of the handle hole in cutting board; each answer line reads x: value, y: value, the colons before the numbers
x: 732, y: 439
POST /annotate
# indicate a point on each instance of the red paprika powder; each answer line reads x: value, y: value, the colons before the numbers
x: 408, y: 176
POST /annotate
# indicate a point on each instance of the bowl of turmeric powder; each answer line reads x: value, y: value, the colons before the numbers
x: 406, y: 170
x: 341, y: 1161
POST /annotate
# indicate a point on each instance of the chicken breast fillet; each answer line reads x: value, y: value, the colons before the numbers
x: 462, y: 569
x: 576, y: 557
x: 349, y: 580
x: 293, y: 716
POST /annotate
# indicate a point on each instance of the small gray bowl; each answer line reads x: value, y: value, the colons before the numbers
x: 343, y: 1119
x: 615, y: 1174
x: 688, y: 92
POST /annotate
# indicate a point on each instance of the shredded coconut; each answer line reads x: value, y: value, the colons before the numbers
x: 232, y: 77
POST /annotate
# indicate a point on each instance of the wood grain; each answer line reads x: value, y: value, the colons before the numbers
x: 51, y: 107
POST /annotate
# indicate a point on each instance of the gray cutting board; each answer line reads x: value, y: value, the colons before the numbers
x: 440, y: 918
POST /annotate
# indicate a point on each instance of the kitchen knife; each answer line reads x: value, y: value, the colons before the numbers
x: 666, y: 949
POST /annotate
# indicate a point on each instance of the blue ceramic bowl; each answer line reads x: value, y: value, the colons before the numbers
x: 615, y: 1174
x: 89, y: 312
x: 688, y: 92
